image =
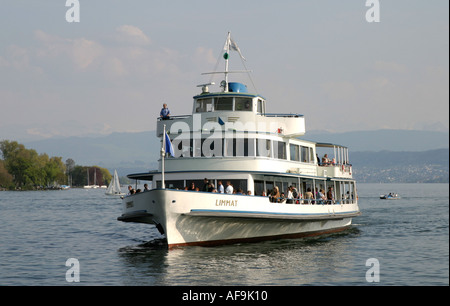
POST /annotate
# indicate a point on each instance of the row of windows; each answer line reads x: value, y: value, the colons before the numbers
x: 343, y: 191
x: 200, y: 184
x: 218, y: 147
x: 227, y: 104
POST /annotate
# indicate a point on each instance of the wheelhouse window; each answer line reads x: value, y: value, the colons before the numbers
x: 243, y: 104
x: 223, y: 104
x: 204, y: 105
x: 260, y: 106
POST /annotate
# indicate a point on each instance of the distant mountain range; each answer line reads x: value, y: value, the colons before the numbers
x: 379, y: 140
x: 136, y: 152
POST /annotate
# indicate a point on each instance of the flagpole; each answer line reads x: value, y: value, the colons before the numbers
x: 163, y: 154
x: 227, y: 54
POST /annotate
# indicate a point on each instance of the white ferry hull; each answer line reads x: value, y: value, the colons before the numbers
x: 201, y: 218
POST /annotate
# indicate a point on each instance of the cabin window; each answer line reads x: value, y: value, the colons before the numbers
x: 280, y: 147
x: 237, y: 185
x: 176, y: 184
x: 294, y: 152
x: 239, y: 146
x: 243, y: 104
x: 259, y: 188
x: 223, y: 103
x: 204, y: 105
x: 263, y: 147
x: 260, y: 106
x: 212, y: 147
x: 305, y: 156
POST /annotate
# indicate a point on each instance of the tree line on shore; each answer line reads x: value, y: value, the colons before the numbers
x: 25, y: 169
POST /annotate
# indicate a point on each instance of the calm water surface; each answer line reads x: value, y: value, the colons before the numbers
x: 42, y: 229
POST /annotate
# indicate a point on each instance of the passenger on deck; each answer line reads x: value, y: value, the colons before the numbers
x: 309, y: 196
x: 290, y: 195
x: 130, y: 190
x: 321, y: 198
x: 220, y: 187
x: 229, y: 189
x: 274, y: 195
x: 165, y: 112
x: 325, y: 160
x: 330, y: 196
x: 282, y: 198
x: 205, y: 185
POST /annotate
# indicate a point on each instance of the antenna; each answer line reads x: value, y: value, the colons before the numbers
x: 205, y: 86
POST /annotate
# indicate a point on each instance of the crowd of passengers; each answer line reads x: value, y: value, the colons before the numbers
x: 317, y: 197
x: 275, y: 196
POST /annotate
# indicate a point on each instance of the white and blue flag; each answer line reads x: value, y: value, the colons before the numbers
x: 169, y: 147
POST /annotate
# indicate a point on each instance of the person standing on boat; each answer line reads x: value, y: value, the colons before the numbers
x: 330, y: 196
x: 220, y: 187
x: 229, y: 189
x: 165, y: 112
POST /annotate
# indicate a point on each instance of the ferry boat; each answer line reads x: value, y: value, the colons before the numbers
x: 224, y: 169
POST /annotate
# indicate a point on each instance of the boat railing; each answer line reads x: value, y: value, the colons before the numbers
x: 174, y: 117
x: 281, y: 115
x: 334, y: 170
x: 317, y: 201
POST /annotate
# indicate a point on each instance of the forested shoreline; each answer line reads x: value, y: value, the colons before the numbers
x: 25, y: 169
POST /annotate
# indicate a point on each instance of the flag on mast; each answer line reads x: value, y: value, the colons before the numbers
x: 234, y: 46
x: 231, y: 44
x: 169, y: 147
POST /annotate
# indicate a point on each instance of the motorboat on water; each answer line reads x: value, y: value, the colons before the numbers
x: 230, y: 172
x: 390, y: 196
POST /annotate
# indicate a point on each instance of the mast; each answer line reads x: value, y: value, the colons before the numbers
x: 226, y: 56
x: 230, y: 44
x: 163, y: 154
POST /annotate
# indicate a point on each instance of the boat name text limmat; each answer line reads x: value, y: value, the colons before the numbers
x: 226, y: 202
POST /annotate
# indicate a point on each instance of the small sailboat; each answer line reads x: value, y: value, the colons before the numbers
x: 87, y: 186
x: 114, y: 186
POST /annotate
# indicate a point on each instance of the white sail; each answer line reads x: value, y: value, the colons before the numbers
x: 114, y: 186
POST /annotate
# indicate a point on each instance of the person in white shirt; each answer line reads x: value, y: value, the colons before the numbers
x: 220, y: 187
x: 290, y: 195
x: 229, y: 189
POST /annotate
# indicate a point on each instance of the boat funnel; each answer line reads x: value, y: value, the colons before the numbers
x: 237, y: 87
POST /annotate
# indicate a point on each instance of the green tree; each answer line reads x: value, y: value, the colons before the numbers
x: 6, y: 179
x: 29, y: 169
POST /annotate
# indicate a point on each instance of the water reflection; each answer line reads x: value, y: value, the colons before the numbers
x: 283, y: 262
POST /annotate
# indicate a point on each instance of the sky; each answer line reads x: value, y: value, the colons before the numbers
x: 113, y: 70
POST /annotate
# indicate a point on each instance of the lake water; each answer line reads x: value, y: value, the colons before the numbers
x: 40, y: 230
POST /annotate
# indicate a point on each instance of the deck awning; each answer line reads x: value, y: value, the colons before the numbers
x: 146, y: 176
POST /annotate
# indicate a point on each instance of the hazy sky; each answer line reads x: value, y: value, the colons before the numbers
x: 113, y: 70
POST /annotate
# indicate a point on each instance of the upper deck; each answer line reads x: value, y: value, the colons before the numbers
x: 233, y: 111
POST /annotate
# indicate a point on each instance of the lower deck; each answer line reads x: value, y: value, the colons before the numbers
x: 292, y: 188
